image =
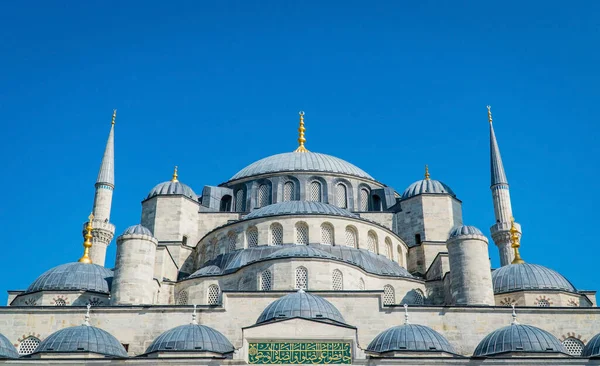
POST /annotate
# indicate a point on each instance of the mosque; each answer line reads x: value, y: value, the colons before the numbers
x: 301, y: 258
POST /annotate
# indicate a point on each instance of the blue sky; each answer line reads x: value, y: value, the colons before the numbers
x: 211, y: 87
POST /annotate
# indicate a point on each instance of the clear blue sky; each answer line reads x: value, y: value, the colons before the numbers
x: 213, y: 86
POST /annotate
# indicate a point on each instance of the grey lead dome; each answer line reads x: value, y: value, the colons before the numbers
x: 82, y: 339
x: 526, y: 276
x: 465, y: 230
x: 191, y: 338
x: 592, y: 348
x: 410, y: 338
x: 74, y: 276
x: 172, y: 188
x: 431, y: 186
x: 301, y: 305
x: 137, y: 229
x: 7, y: 350
x: 518, y: 338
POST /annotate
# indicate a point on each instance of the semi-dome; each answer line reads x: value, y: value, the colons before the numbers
x: 526, y: 276
x: 82, y: 339
x: 172, y: 188
x: 137, y: 229
x: 301, y: 251
x: 299, y: 208
x: 191, y: 338
x: 74, y: 276
x: 518, y: 338
x: 592, y: 348
x: 301, y: 162
x: 430, y: 186
x: 410, y: 338
x: 7, y: 350
x: 301, y: 304
x: 464, y: 230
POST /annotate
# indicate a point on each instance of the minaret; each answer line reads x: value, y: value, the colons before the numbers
x: 104, y: 231
x: 501, y: 196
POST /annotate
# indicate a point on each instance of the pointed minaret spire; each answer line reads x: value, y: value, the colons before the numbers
x: 497, y: 169
x: 106, y: 175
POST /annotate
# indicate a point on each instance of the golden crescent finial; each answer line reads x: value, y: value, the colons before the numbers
x: 427, y: 176
x: 489, y: 108
x: 174, y: 179
x: 301, y: 130
x: 515, y: 242
x: 87, y: 244
x: 114, y: 117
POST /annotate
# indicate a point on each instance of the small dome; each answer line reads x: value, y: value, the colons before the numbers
x: 592, y: 348
x: 172, y: 188
x: 465, y: 230
x: 191, y: 338
x: 73, y: 277
x: 301, y: 305
x: 431, y: 186
x: 296, y: 251
x: 7, y: 350
x: 137, y: 229
x: 210, y: 270
x: 82, y: 339
x: 526, y: 276
x: 300, y: 162
x: 299, y: 208
x: 410, y: 338
x: 518, y: 338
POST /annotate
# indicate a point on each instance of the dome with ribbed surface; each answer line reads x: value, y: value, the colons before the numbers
x: 430, y: 186
x: 191, y: 338
x: 592, y: 348
x: 7, y: 350
x: 73, y: 277
x: 300, y: 162
x: 410, y: 338
x: 465, y: 230
x: 301, y: 304
x: 299, y: 208
x: 82, y: 339
x: 172, y: 188
x: 518, y: 338
x: 137, y: 229
x: 526, y: 276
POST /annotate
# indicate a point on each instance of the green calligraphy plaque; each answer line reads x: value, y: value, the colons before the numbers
x: 300, y: 353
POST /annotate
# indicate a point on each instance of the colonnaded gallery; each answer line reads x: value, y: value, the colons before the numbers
x: 301, y: 258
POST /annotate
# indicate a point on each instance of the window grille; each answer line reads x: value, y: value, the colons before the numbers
x: 341, y: 196
x: 276, y: 234
x: 350, y: 237
x: 389, y: 295
x: 94, y: 301
x: 60, y: 302
x: 301, y: 233
x: 263, y: 195
x: 232, y: 240
x: 315, y: 191
x: 288, y: 191
x: 364, y: 200
x: 239, y: 200
x: 337, y: 280
x: 327, y: 234
x: 361, y: 284
x: 389, y: 252
x: 301, y: 278
x: 574, y: 346
x: 419, y: 299
x: 265, y: 281
x: 372, y: 242
x: 213, y: 295
x: 543, y: 303
x: 28, y: 345
x: 182, y: 298
x: 252, y: 237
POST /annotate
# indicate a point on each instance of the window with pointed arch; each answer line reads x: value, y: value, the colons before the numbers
x: 364, y: 199
x: 288, y: 191
x: 389, y: 295
x: 28, y: 345
x: 214, y: 295
x: 372, y: 241
x: 301, y: 233
x: 351, y: 237
x: 337, y: 280
x: 419, y: 297
x: 341, y: 195
x: 314, y: 191
x: 327, y: 233
x: 264, y: 192
x: 389, y: 252
x: 276, y: 234
x: 232, y: 241
x: 182, y: 298
x: 361, y: 284
x: 239, y: 200
x: 266, y: 280
x: 252, y: 237
x: 301, y: 278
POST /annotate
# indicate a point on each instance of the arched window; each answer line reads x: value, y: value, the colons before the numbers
x: 543, y: 303
x: 28, y: 345
x: 337, y: 280
x: 400, y: 256
x: 341, y: 196
x: 213, y: 295
x: 231, y: 241
x: 276, y: 236
x: 419, y: 298
x: 301, y: 278
x: 288, y: 191
x: 225, y: 203
x: 265, y: 280
x: 263, y: 195
x: 314, y: 192
x: 389, y: 295
x: 376, y: 203
x: 389, y: 252
x: 252, y: 237
x: 60, y: 302
x: 372, y: 241
x: 361, y: 284
x: 182, y: 298
x: 301, y: 233
x: 364, y: 200
x: 574, y: 346
x: 326, y: 234
x: 351, y: 237
x: 239, y: 200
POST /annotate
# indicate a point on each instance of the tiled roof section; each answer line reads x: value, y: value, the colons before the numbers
x: 518, y: 338
x: 72, y: 277
x: 191, y: 338
x: 300, y: 208
x: 498, y: 176
x: 301, y: 304
x: 465, y: 230
x: 431, y: 186
x: 527, y: 276
x: 174, y: 188
x: 300, y: 162
x: 592, y: 348
x: 410, y: 338
x: 82, y: 339
x: 7, y: 350
x: 137, y: 229
x: 107, y: 167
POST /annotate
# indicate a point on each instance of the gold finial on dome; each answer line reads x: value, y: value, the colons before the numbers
x: 489, y: 113
x: 427, y: 176
x: 301, y: 139
x: 87, y: 244
x: 174, y: 179
x: 114, y: 117
x: 514, y: 238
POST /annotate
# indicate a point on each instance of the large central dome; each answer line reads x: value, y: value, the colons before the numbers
x: 303, y: 162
